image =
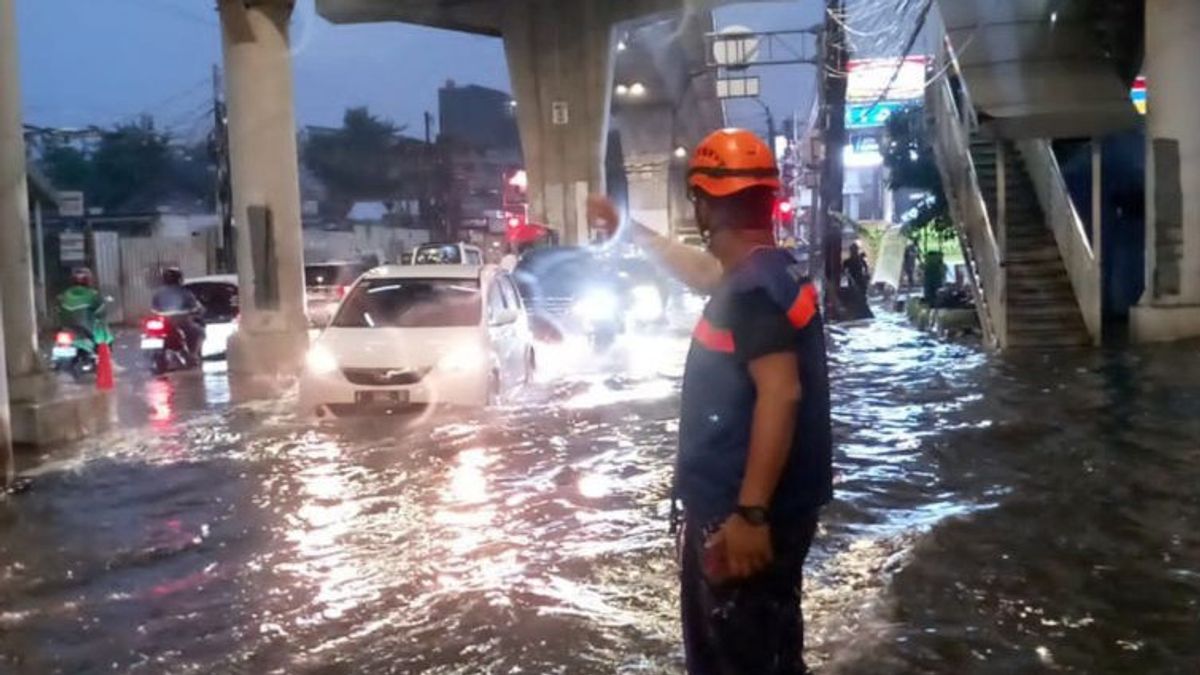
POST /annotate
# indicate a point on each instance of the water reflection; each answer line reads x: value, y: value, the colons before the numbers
x: 994, y: 515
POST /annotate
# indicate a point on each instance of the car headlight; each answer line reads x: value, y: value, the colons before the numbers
x: 464, y: 359
x: 647, y: 303
x: 321, y: 361
x: 597, y: 305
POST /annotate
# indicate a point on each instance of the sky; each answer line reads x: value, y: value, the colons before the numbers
x: 100, y: 62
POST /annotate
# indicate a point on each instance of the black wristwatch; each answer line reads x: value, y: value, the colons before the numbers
x: 755, y: 515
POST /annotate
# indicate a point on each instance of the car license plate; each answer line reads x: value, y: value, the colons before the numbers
x: 63, y: 353
x: 381, y: 397
x: 152, y: 343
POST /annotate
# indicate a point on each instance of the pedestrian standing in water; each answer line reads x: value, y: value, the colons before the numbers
x: 754, y: 462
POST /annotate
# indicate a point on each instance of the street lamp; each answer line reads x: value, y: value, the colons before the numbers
x: 681, y: 152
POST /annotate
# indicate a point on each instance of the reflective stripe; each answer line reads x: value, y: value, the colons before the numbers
x: 712, y: 339
x: 804, y: 308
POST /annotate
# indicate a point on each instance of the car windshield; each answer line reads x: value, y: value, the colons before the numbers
x: 331, y: 275
x: 439, y: 255
x: 411, y: 303
x: 219, y: 299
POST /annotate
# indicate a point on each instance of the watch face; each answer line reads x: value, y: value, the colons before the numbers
x: 755, y: 515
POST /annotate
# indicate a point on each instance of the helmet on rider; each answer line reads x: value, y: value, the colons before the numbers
x: 81, y: 276
x: 733, y: 180
x: 172, y: 276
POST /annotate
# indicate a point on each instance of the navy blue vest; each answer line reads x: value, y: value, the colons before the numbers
x: 719, y: 396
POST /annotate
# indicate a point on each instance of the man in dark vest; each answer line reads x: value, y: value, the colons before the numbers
x: 755, y: 450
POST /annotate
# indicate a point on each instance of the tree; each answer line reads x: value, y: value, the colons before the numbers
x: 130, y: 168
x: 359, y: 161
x: 133, y: 168
x: 911, y: 164
x: 67, y: 167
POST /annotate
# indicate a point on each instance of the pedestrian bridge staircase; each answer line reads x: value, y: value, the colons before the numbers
x: 1032, y: 266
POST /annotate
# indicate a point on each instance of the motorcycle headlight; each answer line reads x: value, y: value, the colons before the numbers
x: 647, y: 303
x: 597, y: 305
x: 321, y: 361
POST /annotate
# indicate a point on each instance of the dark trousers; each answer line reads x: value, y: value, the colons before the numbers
x: 749, y: 627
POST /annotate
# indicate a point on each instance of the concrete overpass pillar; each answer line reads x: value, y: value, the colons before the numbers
x: 1170, y: 307
x: 648, y: 137
x: 7, y: 469
x: 41, y: 412
x: 560, y: 57
x: 272, y: 335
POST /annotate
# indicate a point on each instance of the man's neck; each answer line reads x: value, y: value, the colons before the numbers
x: 737, y: 246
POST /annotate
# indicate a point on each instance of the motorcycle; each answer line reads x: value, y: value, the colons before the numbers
x: 164, y: 344
x: 74, y: 352
x: 600, y: 313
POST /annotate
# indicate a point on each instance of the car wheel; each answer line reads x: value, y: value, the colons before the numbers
x: 493, y: 390
x: 530, y: 365
x: 158, y: 363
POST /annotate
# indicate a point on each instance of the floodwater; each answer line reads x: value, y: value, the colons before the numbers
x: 993, y: 515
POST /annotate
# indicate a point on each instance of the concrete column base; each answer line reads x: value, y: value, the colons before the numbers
x: 68, y: 414
x: 1149, y: 323
x: 274, y: 353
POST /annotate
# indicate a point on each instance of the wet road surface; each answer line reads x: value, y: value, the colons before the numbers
x: 993, y: 515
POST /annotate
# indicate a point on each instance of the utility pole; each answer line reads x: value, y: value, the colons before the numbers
x: 833, y: 171
x: 223, y: 188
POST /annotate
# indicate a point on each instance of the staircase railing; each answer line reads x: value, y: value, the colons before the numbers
x: 951, y: 143
x: 1079, y: 254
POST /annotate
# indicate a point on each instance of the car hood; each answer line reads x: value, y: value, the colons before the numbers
x: 409, y: 348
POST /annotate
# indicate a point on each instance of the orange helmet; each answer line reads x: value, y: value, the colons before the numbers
x: 732, y: 160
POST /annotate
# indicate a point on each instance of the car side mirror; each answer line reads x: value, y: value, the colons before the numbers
x: 503, y: 317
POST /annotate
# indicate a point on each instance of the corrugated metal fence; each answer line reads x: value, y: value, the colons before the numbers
x: 142, y: 263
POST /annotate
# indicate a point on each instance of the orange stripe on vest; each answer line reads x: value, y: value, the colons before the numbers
x: 713, y: 339
x: 804, y: 308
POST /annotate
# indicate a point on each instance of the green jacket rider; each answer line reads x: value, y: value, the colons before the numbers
x: 81, y: 307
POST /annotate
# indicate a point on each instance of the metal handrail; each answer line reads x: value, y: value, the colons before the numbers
x: 1079, y: 254
x: 966, y: 201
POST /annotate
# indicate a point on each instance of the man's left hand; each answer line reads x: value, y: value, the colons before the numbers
x: 747, y: 547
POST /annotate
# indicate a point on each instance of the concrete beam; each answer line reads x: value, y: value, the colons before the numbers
x: 272, y: 335
x: 1170, y: 307
x: 485, y: 17
x: 480, y: 18
x: 560, y: 58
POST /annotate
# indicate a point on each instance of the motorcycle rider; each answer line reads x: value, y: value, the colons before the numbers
x: 82, y: 309
x: 181, y: 308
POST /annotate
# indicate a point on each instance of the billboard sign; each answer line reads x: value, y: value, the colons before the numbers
x: 870, y: 115
x: 70, y: 204
x: 888, y: 79
x: 1138, y: 94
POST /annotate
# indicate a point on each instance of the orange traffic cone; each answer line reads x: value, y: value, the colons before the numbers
x: 104, y: 367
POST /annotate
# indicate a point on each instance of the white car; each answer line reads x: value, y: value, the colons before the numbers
x: 420, y: 335
x: 218, y: 295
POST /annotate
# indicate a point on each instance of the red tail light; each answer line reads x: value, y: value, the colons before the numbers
x: 341, y: 292
x: 155, y: 325
x: 64, y: 338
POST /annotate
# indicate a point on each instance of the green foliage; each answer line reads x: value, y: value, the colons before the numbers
x: 69, y: 168
x: 130, y: 169
x: 363, y: 160
x: 911, y: 165
x: 133, y: 168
